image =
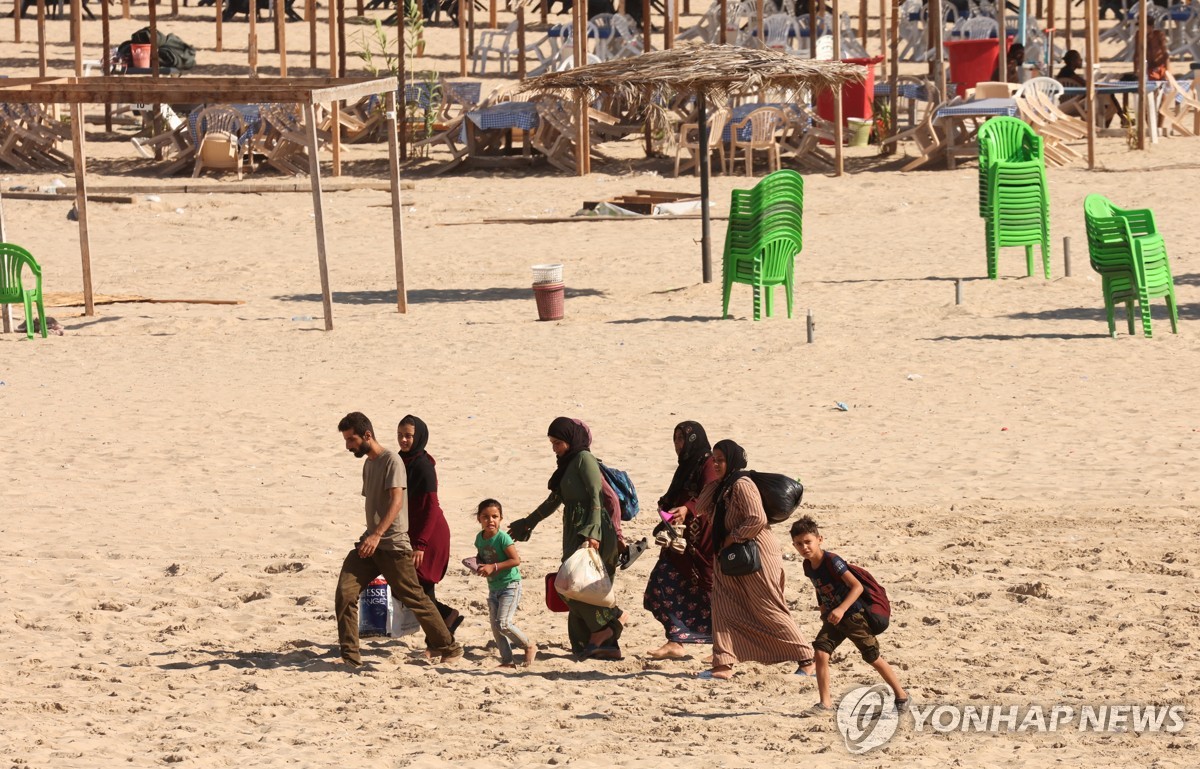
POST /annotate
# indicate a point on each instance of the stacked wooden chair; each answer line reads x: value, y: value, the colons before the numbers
x: 765, y: 234
x: 1130, y: 255
x: 1013, y: 200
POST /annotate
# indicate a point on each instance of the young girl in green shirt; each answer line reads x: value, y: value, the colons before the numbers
x: 498, y: 560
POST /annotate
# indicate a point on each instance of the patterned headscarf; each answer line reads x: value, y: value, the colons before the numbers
x: 685, y: 484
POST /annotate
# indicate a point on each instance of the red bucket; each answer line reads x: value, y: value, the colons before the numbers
x: 554, y: 601
x: 140, y: 54
x: 549, y: 298
x: 972, y: 62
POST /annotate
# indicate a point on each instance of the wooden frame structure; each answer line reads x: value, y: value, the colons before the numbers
x: 307, y: 92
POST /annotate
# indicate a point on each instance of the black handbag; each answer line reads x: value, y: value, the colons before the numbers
x: 740, y: 559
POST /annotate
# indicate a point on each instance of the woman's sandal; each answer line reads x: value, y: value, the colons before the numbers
x: 633, y: 552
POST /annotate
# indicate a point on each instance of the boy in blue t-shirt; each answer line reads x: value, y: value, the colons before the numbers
x: 497, y: 559
x: 839, y: 594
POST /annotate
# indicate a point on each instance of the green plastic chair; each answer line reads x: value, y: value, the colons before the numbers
x: 1125, y: 247
x: 764, y: 235
x: 1012, y: 192
x: 13, y: 259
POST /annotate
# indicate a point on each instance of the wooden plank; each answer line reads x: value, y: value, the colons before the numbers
x: 93, y: 197
x: 314, y: 173
x: 207, y: 188
x: 100, y: 90
x: 397, y: 210
x: 85, y: 245
x: 588, y: 219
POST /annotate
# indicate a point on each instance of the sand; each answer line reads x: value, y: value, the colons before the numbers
x: 178, y: 500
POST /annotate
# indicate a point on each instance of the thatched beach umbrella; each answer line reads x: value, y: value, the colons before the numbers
x: 712, y: 73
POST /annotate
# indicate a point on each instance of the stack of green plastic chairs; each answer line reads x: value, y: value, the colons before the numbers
x: 13, y: 261
x: 765, y: 234
x: 1127, y: 250
x: 1012, y: 191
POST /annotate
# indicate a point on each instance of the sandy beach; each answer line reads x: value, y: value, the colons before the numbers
x: 178, y: 499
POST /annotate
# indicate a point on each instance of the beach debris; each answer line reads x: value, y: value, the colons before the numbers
x: 913, y: 377
x: 301, y: 317
x: 153, y: 199
x: 284, y: 566
x: 1032, y: 589
x: 1003, y: 429
x: 73, y: 215
x: 56, y: 182
x: 174, y: 570
x: 843, y: 407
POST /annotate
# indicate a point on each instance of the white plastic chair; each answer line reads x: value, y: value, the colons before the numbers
x: 626, y: 40
x: 979, y: 28
x: 780, y: 32
x: 499, y: 42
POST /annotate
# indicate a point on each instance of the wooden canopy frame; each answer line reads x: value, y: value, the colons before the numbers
x: 307, y: 92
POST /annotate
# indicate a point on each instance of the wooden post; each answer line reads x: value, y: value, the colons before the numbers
x: 314, y: 174
x: 1051, y: 28
x: 17, y: 20
x: 252, y: 42
x: 704, y: 160
x: 1141, y: 65
x: 174, y: 7
x: 492, y: 14
x: 810, y: 326
x: 863, y: 12
x: 85, y: 245
x: 812, y: 29
x: 362, y: 11
x: 520, y: 39
x: 936, y: 43
x: 724, y: 22
x: 462, y: 37
x: 125, y: 9
x: 277, y: 17
x: 583, y: 150
x: 397, y: 210
x: 41, y: 31
x: 333, y: 38
x: 1089, y: 14
x: 1067, y: 43
x: 471, y: 27
x: 668, y: 24
x: 543, y: 8
x: 758, y: 12
x: 1066, y: 253
x: 958, y: 291
x: 310, y: 11
x: 77, y: 34
x: 220, y: 23
x: 883, y: 27
x: 838, y: 160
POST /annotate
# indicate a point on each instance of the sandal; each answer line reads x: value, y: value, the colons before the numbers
x: 633, y: 552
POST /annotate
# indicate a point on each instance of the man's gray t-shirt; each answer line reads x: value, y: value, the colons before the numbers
x: 380, y: 476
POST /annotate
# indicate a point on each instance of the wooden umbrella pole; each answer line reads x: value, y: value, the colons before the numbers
x: 1001, y: 40
x: 85, y: 245
x: 1051, y: 28
x: 1089, y: 14
x: 252, y: 42
x: 393, y: 118
x: 1142, y: 64
x: 105, y: 59
x: 492, y: 14
x: 936, y: 43
x: 812, y: 29
x: 758, y: 12
x: 341, y: 35
x: 668, y: 24
x: 17, y: 20
x: 314, y: 174
x: 705, y: 226
x: 220, y: 22
x: 462, y: 37
x: 724, y: 22
x: 154, y: 68
x: 646, y: 43
x: 583, y: 148
x: 894, y: 79
x: 281, y: 39
x: 41, y: 31
x: 402, y: 72
x: 838, y: 159
x: 863, y: 12
x: 520, y: 39
x: 77, y: 34
x: 1067, y: 42
x: 310, y: 12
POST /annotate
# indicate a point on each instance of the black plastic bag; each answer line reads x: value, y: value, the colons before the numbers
x: 780, y: 494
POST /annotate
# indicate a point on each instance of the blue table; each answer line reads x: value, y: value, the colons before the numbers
x: 488, y: 132
x: 739, y: 114
x: 250, y: 113
x: 907, y: 90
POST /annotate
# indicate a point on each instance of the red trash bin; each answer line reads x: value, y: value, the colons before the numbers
x: 972, y: 62
x: 856, y: 97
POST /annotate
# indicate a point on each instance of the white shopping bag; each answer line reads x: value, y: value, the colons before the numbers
x: 582, y: 577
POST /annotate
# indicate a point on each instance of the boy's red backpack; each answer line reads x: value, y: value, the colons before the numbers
x: 879, y: 609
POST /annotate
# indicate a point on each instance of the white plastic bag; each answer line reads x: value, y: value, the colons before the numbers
x: 582, y: 577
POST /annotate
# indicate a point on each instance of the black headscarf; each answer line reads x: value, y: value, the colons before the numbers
x: 685, y: 484
x: 422, y: 478
x: 577, y: 437
x: 735, y: 463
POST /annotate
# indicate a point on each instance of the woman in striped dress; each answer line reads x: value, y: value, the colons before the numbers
x: 750, y: 618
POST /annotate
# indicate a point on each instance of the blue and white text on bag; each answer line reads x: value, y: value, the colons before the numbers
x: 380, y: 614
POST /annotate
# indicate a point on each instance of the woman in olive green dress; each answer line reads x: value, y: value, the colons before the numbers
x: 595, y: 631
